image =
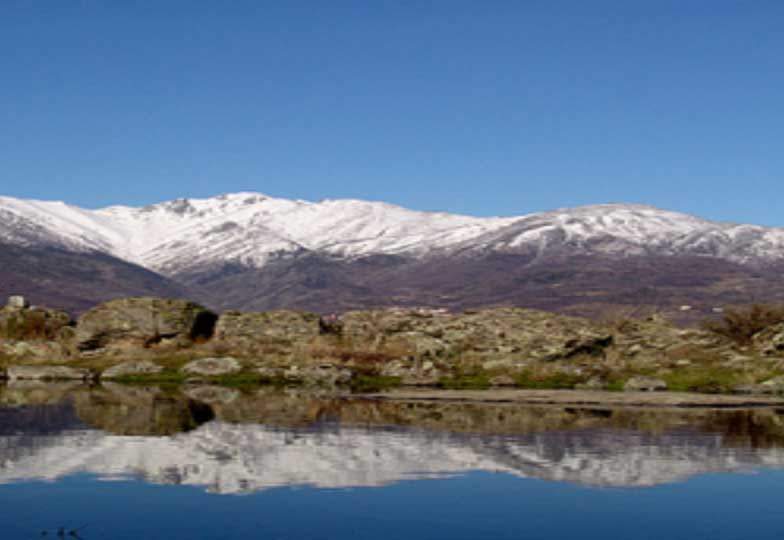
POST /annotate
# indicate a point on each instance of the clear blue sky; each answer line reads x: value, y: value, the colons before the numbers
x: 485, y: 107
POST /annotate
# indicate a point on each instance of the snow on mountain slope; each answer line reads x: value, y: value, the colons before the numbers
x: 635, y: 230
x: 251, y: 228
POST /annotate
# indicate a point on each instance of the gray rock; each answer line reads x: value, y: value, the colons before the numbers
x: 142, y: 322
x: 644, y: 384
x: 594, y: 383
x: 33, y: 349
x: 272, y: 327
x: 323, y: 374
x: 144, y: 367
x: 210, y: 367
x: 47, y: 373
x: 502, y: 380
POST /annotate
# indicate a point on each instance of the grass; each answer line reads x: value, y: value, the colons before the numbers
x: 374, y: 383
x: 164, y: 377
x: 465, y: 382
x: 553, y: 381
x: 706, y: 380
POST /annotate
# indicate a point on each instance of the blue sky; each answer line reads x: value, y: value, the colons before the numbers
x: 485, y: 107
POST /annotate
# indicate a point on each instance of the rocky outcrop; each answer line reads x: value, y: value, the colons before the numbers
x: 143, y: 322
x: 520, y: 335
x: 47, y: 373
x: 282, y: 328
x: 19, y: 322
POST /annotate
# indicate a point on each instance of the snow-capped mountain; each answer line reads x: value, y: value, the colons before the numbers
x: 250, y: 228
x: 254, y: 251
x: 246, y: 228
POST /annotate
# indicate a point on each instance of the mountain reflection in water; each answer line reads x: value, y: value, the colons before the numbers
x: 241, y: 442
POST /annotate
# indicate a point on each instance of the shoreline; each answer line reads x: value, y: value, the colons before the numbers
x: 580, y: 398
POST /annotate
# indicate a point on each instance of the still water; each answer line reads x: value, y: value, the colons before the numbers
x: 118, y: 462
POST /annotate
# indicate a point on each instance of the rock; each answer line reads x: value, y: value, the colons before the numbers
x: 330, y: 325
x: 33, y: 349
x: 771, y: 340
x: 634, y: 350
x: 322, y: 374
x: 280, y: 327
x: 397, y: 368
x: 502, y: 380
x: 47, y: 373
x: 144, y: 367
x: 748, y: 389
x: 17, y: 302
x: 483, y: 334
x: 772, y: 386
x: 590, y: 344
x: 271, y: 373
x: 211, y: 367
x: 644, y: 384
x: 34, y: 324
x: 142, y: 322
x: 594, y: 383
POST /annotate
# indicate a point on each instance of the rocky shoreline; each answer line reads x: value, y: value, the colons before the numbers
x: 144, y: 340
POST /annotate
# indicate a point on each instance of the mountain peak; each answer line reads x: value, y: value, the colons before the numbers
x: 251, y: 228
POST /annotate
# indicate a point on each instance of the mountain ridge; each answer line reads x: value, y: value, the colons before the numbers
x: 335, y: 250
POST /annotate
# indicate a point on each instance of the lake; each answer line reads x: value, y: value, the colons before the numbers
x: 126, y: 462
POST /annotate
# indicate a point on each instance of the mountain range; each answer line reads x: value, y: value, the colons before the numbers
x: 250, y: 251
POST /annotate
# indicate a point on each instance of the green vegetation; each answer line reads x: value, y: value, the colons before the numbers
x: 374, y: 383
x: 708, y: 381
x: 465, y: 382
x: 553, y: 381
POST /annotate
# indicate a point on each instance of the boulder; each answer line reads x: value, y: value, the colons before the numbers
x: 47, y: 373
x: 143, y: 367
x: 142, y: 322
x: 212, y: 367
x: 644, y: 384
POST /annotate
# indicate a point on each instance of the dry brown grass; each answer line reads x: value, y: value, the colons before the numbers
x: 344, y: 351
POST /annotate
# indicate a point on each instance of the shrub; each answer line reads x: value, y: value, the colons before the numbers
x: 741, y: 324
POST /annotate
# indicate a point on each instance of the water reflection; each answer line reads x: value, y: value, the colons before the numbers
x: 241, y: 442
